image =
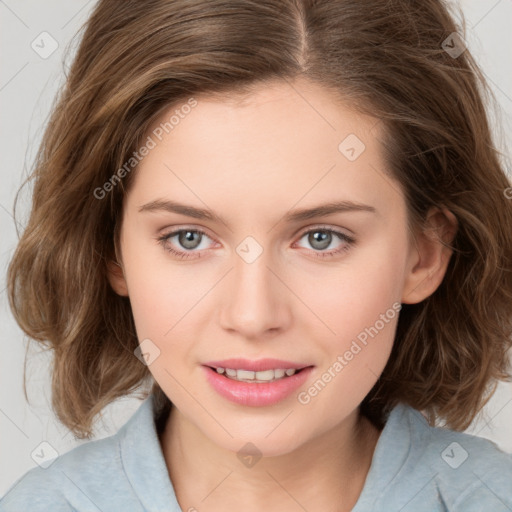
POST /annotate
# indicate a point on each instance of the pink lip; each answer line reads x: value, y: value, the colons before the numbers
x: 255, y: 366
x: 256, y: 394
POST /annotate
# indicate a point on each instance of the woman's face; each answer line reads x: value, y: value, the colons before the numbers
x: 273, y: 279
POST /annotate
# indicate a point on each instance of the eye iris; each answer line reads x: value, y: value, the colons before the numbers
x: 324, y: 238
x: 186, y: 239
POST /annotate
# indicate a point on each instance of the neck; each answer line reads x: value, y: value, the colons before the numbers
x: 326, y: 473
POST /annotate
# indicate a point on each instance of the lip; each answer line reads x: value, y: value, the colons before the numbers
x: 256, y: 394
x: 256, y: 366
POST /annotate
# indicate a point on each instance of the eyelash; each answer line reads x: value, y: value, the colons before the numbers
x: 349, y: 242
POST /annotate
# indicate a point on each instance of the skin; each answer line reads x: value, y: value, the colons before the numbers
x: 252, y: 162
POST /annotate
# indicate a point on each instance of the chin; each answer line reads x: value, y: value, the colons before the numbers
x: 269, y: 438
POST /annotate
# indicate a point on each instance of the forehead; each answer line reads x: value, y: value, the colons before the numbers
x: 282, y: 143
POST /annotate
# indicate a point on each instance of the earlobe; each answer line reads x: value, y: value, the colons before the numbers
x: 430, y: 257
x: 116, y: 278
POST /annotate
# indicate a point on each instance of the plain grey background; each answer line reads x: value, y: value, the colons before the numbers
x: 29, y: 78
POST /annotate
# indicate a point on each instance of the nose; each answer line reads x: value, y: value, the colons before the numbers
x: 256, y: 301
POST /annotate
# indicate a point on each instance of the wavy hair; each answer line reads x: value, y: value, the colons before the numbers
x: 390, y: 59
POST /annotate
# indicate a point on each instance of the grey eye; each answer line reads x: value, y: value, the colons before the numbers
x: 320, y: 239
x: 186, y: 239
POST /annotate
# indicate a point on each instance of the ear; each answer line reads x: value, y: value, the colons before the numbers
x: 116, y: 278
x: 429, y: 258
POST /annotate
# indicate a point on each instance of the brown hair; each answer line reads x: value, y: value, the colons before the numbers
x: 385, y: 57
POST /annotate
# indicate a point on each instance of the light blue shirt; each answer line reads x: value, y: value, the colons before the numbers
x: 415, y: 468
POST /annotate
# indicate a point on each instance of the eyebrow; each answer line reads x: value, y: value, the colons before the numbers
x: 292, y: 216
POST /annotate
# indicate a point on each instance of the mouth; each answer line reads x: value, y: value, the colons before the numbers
x: 256, y: 383
x: 257, y: 377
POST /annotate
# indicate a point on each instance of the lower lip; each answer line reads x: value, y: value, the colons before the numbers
x: 256, y: 394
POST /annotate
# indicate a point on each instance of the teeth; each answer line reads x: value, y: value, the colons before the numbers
x: 250, y: 376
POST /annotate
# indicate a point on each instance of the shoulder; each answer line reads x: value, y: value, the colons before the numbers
x: 71, y: 478
x: 472, y: 471
x: 466, y: 472
x: 126, y: 471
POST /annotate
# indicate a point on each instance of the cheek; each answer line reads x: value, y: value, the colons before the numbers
x: 152, y: 303
x: 355, y: 295
x: 161, y: 291
x: 359, y: 308
x: 365, y: 324
x: 162, y: 300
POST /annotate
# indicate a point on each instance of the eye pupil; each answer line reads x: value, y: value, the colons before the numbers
x: 324, y: 238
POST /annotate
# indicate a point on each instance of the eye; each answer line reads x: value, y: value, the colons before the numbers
x: 321, y: 238
x: 188, y: 239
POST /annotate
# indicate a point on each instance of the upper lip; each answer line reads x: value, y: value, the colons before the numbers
x: 256, y: 366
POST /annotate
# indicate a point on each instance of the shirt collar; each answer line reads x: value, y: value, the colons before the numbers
x: 143, y: 460
x: 399, y: 443
x: 147, y: 471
